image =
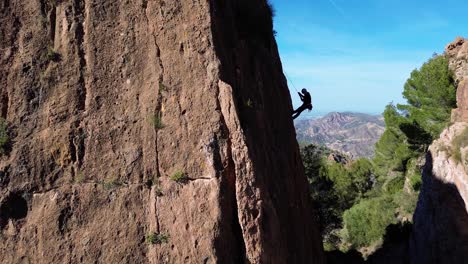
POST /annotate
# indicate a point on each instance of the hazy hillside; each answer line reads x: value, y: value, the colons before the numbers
x: 352, y: 133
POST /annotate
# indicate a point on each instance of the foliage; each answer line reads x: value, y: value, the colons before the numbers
x: 406, y: 203
x: 431, y: 95
x: 154, y: 238
x: 321, y: 188
x: 111, y: 183
x: 79, y: 177
x: 4, y: 139
x: 395, y: 185
x: 156, y: 120
x: 52, y: 55
x: 350, y: 182
x: 366, y: 221
x: 158, y: 191
x: 391, y: 151
x: 179, y: 177
x: 162, y: 87
x: 458, y: 143
x: 248, y: 103
x: 410, y: 128
x: 364, y: 197
x: 416, y: 181
x: 334, y: 187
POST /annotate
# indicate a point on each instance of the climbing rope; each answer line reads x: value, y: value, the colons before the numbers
x: 290, y: 80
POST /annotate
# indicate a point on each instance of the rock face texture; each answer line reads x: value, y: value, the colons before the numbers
x: 458, y: 54
x: 130, y: 118
x: 440, y: 231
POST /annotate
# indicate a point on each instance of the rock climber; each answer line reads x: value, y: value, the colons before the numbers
x: 306, y: 103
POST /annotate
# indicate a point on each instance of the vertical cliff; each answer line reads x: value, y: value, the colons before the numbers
x: 440, y: 232
x: 132, y: 118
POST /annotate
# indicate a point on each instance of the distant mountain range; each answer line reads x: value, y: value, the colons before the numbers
x: 354, y: 134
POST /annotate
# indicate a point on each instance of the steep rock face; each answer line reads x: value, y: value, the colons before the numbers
x: 458, y: 55
x: 107, y: 100
x: 440, y: 232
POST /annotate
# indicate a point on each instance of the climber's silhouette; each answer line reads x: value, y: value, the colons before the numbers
x: 306, y: 103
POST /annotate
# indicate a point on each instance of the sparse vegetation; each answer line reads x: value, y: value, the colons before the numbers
x: 156, y: 120
x: 157, y: 239
x: 79, y: 178
x: 52, y: 55
x: 249, y: 103
x: 179, y: 177
x: 4, y: 139
x: 158, y: 191
x: 162, y: 87
x: 458, y: 143
x: 416, y: 181
x: 111, y: 183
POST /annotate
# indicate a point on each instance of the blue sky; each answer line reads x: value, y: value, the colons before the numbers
x: 356, y: 55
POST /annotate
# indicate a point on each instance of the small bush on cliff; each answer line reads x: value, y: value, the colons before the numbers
x: 179, y: 177
x: 4, y: 139
x: 111, y: 183
x: 458, y: 143
x: 162, y: 87
x: 158, y: 191
x: 156, y: 120
x: 79, y: 178
x: 154, y: 238
x: 416, y: 181
x: 52, y: 55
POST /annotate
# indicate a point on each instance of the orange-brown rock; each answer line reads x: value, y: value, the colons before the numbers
x: 132, y: 118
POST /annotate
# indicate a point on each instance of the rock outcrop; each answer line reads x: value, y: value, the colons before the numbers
x: 457, y: 52
x: 440, y: 232
x: 165, y: 119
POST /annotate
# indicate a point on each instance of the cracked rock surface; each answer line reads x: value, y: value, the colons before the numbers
x: 108, y: 101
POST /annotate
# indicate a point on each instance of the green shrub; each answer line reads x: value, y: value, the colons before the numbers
x: 406, y: 203
x: 158, y: 191
x: 4, y: 139
x: 395, y: 185
x: 79, y: 177
x: 416, y: 181
x: 366, y: 221
x: 154, y: 238
x: 156, y: 120
x: 162, y: 87
x: 111, y: 183
x: 248, y: 103
x: 52, y: 55
x: 431, y: 95
x: 179, y: 177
